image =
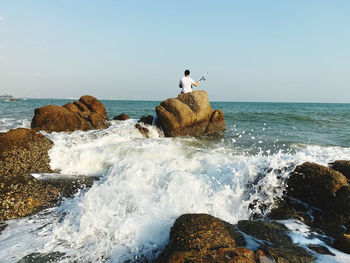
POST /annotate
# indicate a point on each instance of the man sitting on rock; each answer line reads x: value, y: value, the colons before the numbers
x: 186, y: 83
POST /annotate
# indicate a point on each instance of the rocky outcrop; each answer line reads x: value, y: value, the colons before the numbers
x: 22, y: 195
x: 121, y: 117
x: 314, y: 184
x: 338, y: 208
x: 204, y: 238
x: 341, y: 166
x: 189, y: 114
x: 24, y: 151
x: 146, y: 119
x: 86, y: 114
x: 342, y: 243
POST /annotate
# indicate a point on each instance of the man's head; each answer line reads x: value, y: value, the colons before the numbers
x: 187, y: 72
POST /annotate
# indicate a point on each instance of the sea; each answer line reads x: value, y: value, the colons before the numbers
x: 146, y: 183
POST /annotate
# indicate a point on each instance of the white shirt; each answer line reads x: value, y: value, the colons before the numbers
x: 186, y: 84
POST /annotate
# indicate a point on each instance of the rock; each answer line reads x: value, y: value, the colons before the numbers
x: 277, y: 244
x: 121, y: 117
x: 204, y: 238
x: 342, y: 167
x: 320, y: 250
x: 342, y: 243
x: 86, y: 114
x: 274, y: 233
x: 144, y: 131
x: 189, y: 114
x: 338, y: 209
x: 314, y: 184
x: 68, y: 186
x: 24, y: 151
x: 94, y: 105
x: 147, y: 119
x: 22, y: 195
x: 261, y: 257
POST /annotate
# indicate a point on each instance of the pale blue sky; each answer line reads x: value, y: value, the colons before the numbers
x: 273, y: 50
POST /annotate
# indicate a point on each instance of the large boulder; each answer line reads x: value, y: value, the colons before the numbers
x: 24, y: 151
x: 86, y: 114
x: 204, y: 238
x: 338, y: 209
x: 189, y: 114
x: 314, y: 184
x: 341, y: 166
x: 22, y: 195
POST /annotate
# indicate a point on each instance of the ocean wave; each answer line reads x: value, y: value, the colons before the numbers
x: 145, y: 185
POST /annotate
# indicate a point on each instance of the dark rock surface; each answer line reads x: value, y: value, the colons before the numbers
x: 341, y: 166
x: 338, y: 208
x: 342, y: 243
x: 121, y: 117
x: 143, y: 130
x: 24, y: 151
x: 146, y: 119
x: 314, y: 184
x: 22, y: 195
x: 189, y: 114
x: 86, y: 114
x: 204, y: 238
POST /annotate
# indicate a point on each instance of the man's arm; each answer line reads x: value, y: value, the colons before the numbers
x: 196, y: 83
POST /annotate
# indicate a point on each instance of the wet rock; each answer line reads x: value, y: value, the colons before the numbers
x: 24, y: 151
x: 342, y: 243
x: 320, y: 250
x: 204, y: 238
x: 342, y: 167
x: 189, y: 114
x: 338, y: 209
x: 144, y: 131
x: 22, y: 195
x: 68, y: 186
x: 42, y: 257
x: 147, y: 119
x: 121, y: 117
x: 86, y: 114
x: 277, y: 244
x: 261, y: 257
x: 314, y: 184
x: 272, y: 232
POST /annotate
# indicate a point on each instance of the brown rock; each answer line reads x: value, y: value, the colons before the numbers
x: 121, y: 117
x: 94, y: 105
x: 342, y: 167
x: 338, y: 209
x: 24, y: 151
x: 22, y: 195
x: 144, y: 131
x: 261, y: 257
x: 52, y: 118
x: 147, y: 119
x: 86, y: 114
x: 189, y: 114
x: 342, y: 243
x: 204, y: 238
x: 314, y: 184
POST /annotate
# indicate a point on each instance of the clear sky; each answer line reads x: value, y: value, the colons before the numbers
x: 272, y: 50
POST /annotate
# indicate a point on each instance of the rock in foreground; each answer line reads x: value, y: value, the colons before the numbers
x: 204, y: 238
x: 24, y: 151
x: 86, y: 114
x: 189, y: 114
x: 22, y: 195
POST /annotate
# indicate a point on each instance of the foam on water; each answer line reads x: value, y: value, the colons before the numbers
x: 145, y: 185
x: 10, y: 123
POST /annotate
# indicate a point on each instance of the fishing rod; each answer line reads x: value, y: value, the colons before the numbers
x: 210, y: 70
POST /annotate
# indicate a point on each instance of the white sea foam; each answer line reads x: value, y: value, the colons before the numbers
x: 9, y: 123
x: 145, y: 185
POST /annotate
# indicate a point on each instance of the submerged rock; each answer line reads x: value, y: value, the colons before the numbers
x: 189, y: 114
x: 342, y: 167
x: 314, y: 184
x: 22, y: 195
x: 204, y: 238
x: 121, y: 117
x: 24, y: 151
x: 86, y: 114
